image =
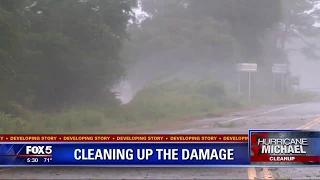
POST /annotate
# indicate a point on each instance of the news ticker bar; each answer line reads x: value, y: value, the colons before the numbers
x: 126, y: 154
x: 264, y: 147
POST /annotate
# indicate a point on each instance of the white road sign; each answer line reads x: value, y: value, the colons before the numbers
x: 279, y: 68
x: 247, y: 67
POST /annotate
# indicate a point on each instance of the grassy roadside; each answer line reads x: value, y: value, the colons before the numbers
x: 154, y: 107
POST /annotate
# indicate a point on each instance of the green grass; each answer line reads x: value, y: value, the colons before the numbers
x: 225, y: 125
x: 152, y: 107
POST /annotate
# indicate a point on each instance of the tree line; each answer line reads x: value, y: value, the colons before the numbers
x: 57, y: 53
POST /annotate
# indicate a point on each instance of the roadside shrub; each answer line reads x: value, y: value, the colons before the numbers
x: 9, y: 124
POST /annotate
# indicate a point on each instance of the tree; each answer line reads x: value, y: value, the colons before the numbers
x: 69, y: 48
x: 299, y: 22
x: 15, y: 77
x: 248, y: 18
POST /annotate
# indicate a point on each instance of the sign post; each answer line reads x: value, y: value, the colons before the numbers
x: 295, y: 81
x: 239, y: 83
x: 249, y: 94
x: 279, y: 69
x: 274, y: 82
x: 282, y: 82
x: 246, y: 67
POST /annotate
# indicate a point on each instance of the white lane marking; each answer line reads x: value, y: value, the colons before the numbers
x: 245, y: 117
x: 267, y: 112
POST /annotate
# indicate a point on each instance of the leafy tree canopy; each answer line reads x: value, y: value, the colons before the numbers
x: 69, y: 48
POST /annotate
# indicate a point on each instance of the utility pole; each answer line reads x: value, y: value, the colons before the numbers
x: 249, y: 94
x: 239, y: 83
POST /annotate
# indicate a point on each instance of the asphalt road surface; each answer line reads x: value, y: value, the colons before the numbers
x: 303, y: 116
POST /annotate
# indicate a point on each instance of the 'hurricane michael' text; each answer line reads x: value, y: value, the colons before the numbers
x: 283, y: 145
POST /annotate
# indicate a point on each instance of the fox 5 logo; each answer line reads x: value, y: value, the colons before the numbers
x: 39, y: 150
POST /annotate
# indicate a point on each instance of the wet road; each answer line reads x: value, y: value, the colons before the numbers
x: 273, y: 117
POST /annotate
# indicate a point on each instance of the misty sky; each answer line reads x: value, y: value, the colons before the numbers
x: 309, y: 70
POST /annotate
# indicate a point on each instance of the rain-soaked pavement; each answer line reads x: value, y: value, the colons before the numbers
x: 273, y: 117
